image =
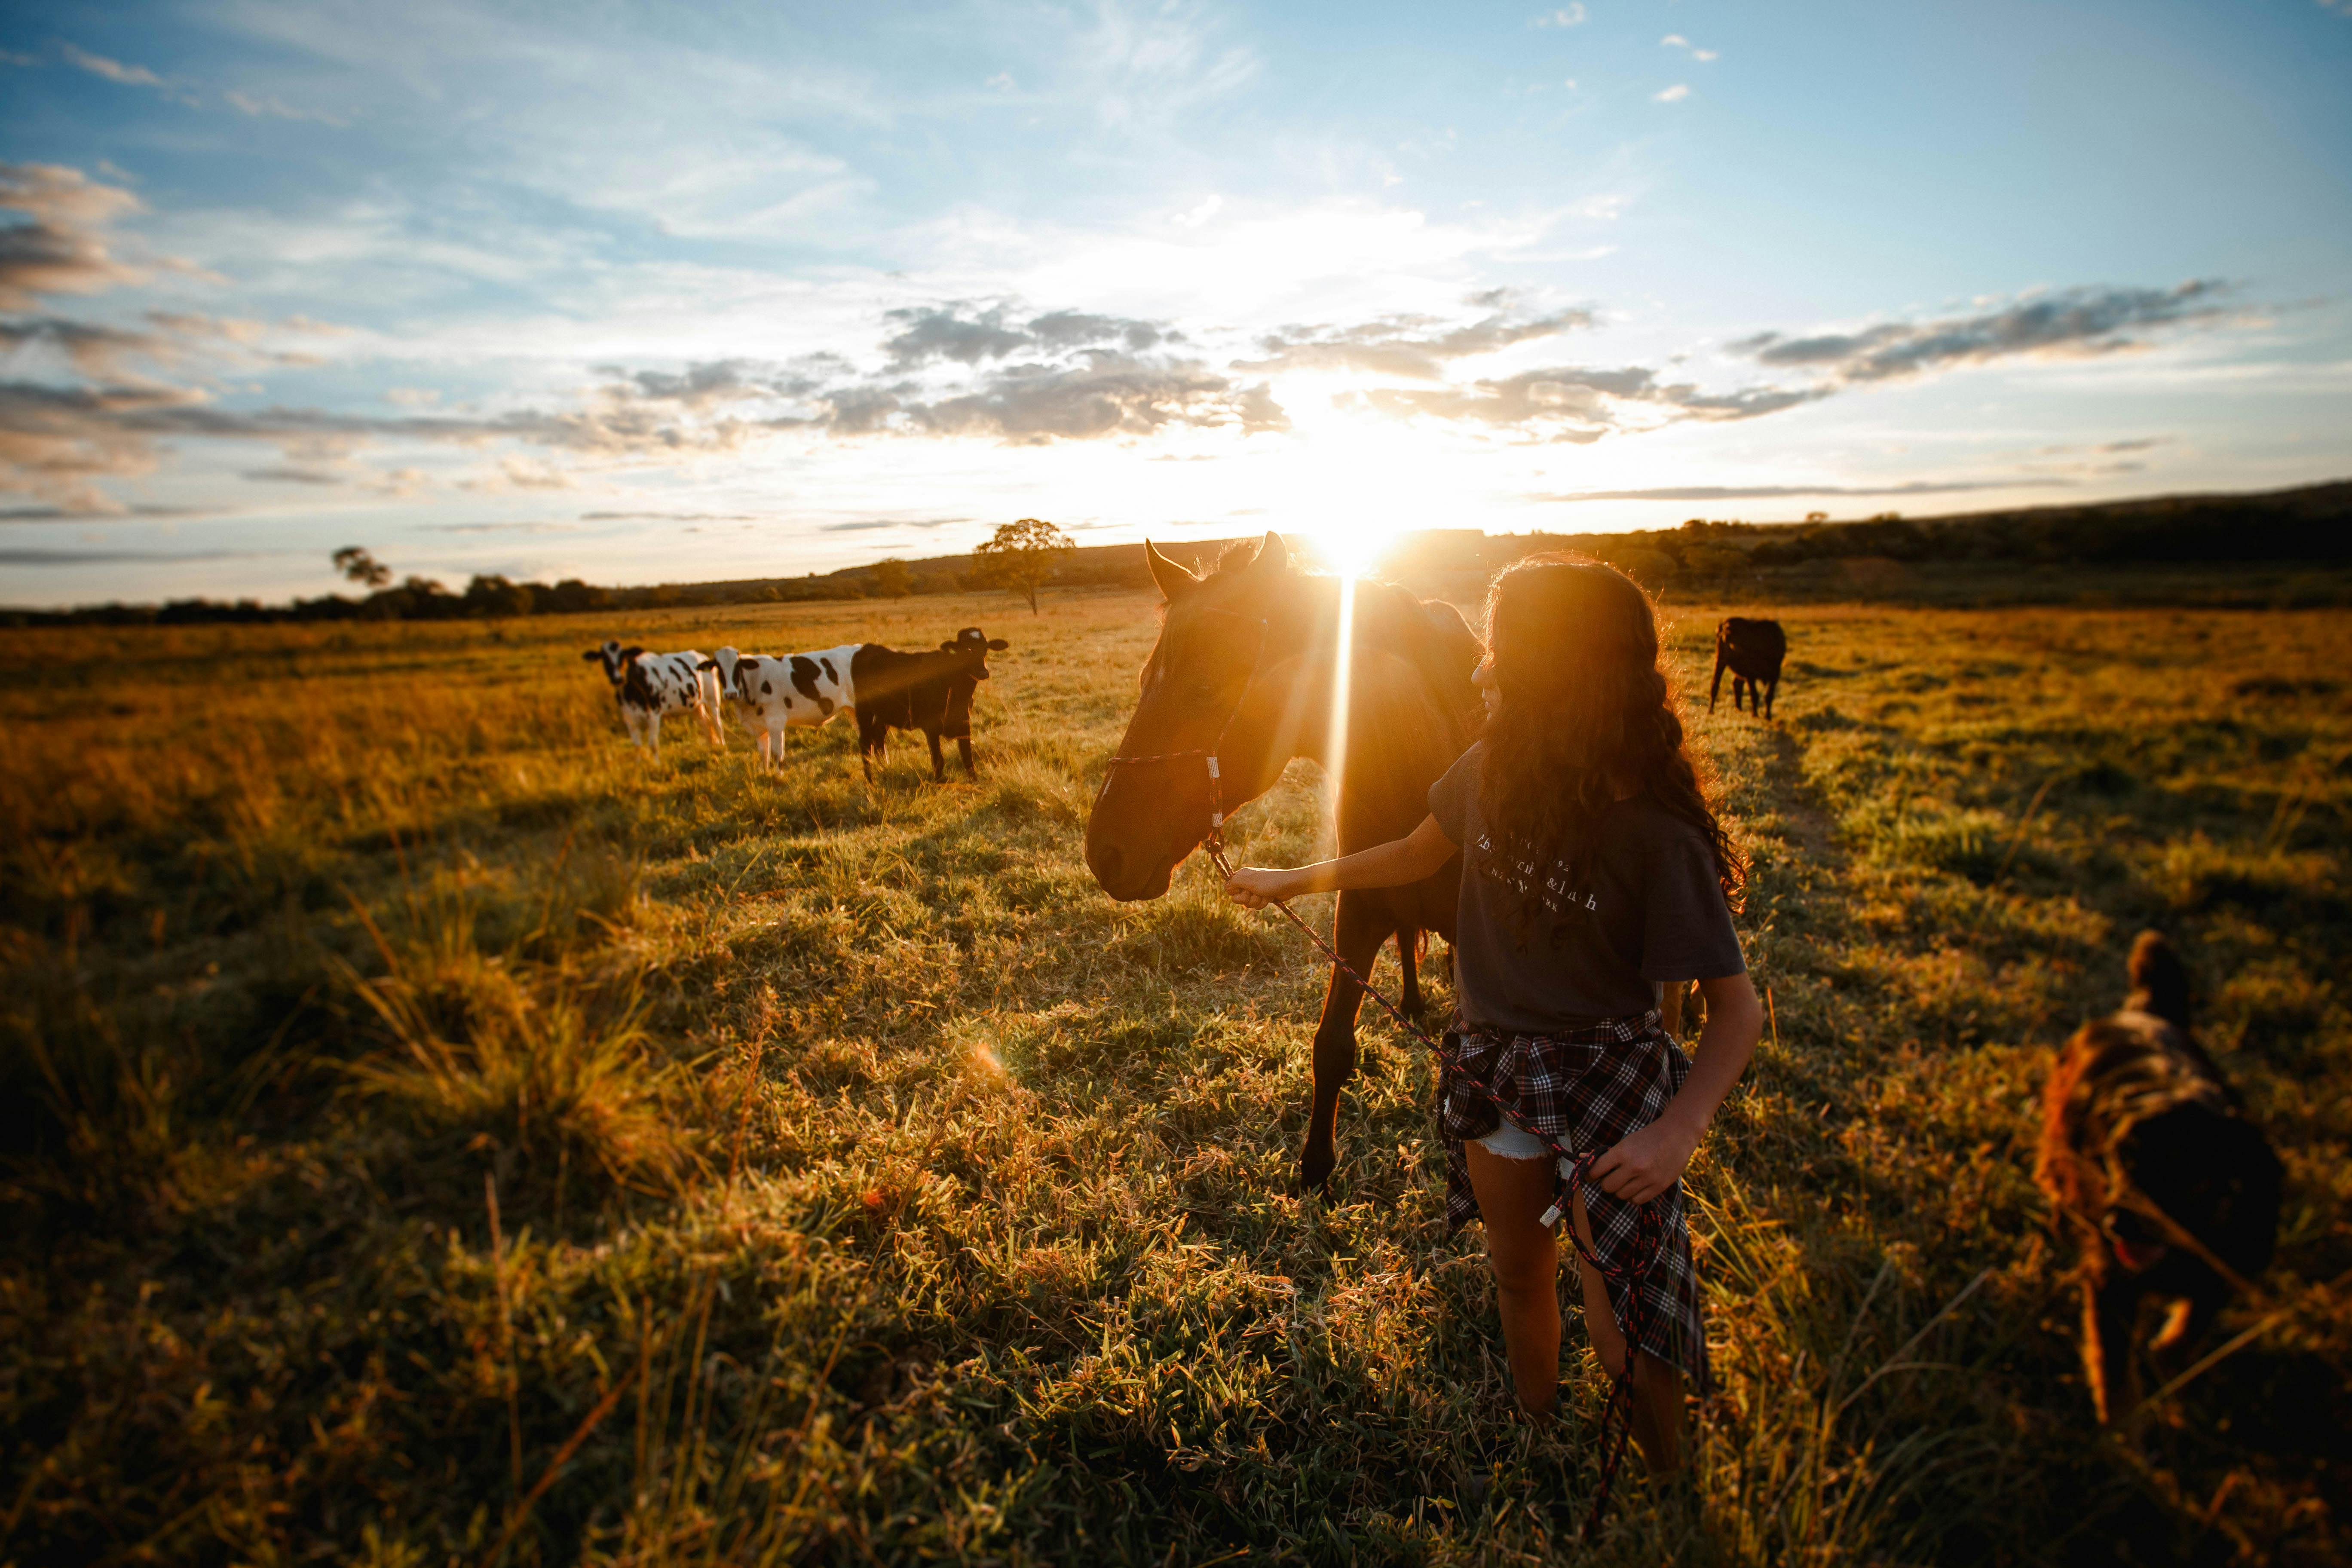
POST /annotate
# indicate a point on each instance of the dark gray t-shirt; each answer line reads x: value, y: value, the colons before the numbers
x: 1647, y: 908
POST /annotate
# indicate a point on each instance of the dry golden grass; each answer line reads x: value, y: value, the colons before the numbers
x: 869, y: 1187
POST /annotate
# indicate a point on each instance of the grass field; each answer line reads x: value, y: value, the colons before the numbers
x: 434, y: 1130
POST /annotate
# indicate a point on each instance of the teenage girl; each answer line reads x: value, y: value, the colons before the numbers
x: 1593, y: 869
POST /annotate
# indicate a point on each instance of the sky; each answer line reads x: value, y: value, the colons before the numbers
x: 669, y: 293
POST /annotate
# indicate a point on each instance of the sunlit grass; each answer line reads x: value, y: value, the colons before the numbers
x: 869, y: 1185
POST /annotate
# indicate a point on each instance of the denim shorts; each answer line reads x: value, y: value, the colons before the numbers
x: 1509, y: 1141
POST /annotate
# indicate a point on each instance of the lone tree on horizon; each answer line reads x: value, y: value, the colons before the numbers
x: 894, y: 577
x: 1021, y: 555
x: 362, y: 567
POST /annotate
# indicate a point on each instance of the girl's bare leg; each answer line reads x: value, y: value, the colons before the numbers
x: 1512, y: 1195
x: 1657, y: 1414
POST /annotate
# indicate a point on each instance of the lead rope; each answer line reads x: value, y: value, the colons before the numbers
x: 1575, y: 1170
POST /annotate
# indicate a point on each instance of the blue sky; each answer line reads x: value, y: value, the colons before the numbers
x: 660, y: 293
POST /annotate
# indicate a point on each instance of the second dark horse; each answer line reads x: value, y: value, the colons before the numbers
x: 1246, y: 666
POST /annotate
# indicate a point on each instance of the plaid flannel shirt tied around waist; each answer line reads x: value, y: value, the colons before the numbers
x: 1587, y: 1089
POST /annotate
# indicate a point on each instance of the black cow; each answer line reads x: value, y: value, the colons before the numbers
x: 927, y: 692
x: 1754, y: 650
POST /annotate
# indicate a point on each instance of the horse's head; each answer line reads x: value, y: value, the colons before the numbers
x: 1198, y: 697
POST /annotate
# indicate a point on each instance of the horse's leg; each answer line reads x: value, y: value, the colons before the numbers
x: 1357, y: 931
x: 1409, y: 940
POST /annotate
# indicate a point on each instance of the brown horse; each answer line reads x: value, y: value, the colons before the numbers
x: 1244, y: 672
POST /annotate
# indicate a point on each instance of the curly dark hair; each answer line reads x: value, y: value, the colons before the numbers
x: 1586, y: 716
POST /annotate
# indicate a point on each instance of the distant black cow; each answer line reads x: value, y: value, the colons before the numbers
x: 1754, y: 650
x: 927, y: 692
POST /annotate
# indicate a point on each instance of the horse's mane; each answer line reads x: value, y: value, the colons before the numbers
x: 1429, y: 635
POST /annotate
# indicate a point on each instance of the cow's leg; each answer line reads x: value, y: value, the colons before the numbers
x: 1770, y: 692
x: 1357, y: 932
x: 1716, y: 690
x: 964, y: 750
x: 938, y: 763
x: 653, y: 729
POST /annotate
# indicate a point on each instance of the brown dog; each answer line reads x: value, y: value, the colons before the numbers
x: 2172, y: 1191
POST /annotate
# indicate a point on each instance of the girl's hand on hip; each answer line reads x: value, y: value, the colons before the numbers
x: 1255, y: 887
x: 1646, y: 1162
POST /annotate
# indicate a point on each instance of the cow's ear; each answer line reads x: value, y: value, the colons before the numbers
x: 627, y: 654
x: 708, y: 664
x: 1174, y: 581
x: 592, y: 655
x: 997, y: 644
x: 949, y: 646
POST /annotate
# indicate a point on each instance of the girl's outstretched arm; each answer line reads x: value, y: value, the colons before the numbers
x: 1401, y: 860
x: 1650, y: 1159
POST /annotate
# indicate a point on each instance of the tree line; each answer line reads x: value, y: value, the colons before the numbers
x: 1020, y: 557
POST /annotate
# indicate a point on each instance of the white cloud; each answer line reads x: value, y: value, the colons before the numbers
x: 1193, y: 218
x: 1674, y: 94
x: 112, y: 70
x: 1676, y: 41
x: 1571, y: 16
x: 272, y: 108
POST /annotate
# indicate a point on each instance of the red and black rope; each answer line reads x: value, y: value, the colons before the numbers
x: 1576, y: 1170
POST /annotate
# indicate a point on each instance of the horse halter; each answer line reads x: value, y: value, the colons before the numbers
x: 1215, y: 841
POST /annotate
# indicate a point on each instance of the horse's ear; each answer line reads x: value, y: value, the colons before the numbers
x: 1273, y: 556
x: 1173, y: 580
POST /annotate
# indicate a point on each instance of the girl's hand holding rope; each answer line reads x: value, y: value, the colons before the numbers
x: 1646, y: 1162
x: 1255, y: 887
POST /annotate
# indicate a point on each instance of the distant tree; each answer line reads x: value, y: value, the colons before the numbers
x: 1711, y: 559
x: 572, y: 595
x: 362, y: 567
x: 1651, y: 568
x: 1022, y: 556
x: 893, y: 578
x: 496, y: 596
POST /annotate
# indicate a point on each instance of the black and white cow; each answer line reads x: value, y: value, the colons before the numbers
x: 927, y: 692
x: 649, y: 685
x: 776, y: 694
